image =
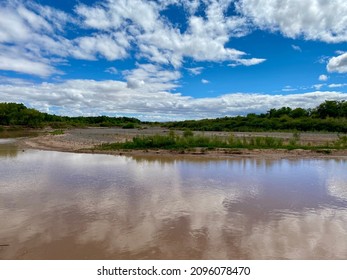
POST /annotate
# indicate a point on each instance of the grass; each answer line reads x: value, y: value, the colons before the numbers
x: 57, y: 132
x: 15, y: 132
x: 189, y: 140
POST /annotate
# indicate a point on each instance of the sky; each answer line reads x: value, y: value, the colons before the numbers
x: 172, y: 59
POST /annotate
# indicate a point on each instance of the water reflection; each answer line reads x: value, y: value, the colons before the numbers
x: 76, y: 206
x: 8, y: 148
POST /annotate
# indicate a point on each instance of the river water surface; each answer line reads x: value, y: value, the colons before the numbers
x: 57, y: 205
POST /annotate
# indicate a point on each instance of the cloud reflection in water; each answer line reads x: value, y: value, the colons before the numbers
x: 77, y: 206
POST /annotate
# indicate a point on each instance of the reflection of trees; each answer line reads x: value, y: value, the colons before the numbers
x: 7, y: 150
x: 105, y: 207
x: 181, y: 158
x: 170, y: 159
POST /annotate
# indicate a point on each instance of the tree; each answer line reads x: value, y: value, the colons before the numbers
x: 298, y: 113
x: 328, y: 109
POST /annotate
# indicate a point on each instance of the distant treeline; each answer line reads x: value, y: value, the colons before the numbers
x: 13, y: 114
x: 329, y: 116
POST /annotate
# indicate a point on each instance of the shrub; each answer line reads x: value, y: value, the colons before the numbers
x: 128, y: 126
x: 188, y: 133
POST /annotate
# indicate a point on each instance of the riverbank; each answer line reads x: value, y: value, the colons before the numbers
x: 87, y: 140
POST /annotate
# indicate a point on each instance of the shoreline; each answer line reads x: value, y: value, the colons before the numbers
x: 85, y: 140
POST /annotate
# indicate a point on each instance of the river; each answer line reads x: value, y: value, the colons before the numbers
x: 56, y: 205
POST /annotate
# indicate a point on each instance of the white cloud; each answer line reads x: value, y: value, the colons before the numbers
x: 159, y: 41
x: 323, y: 78
x: 296, y: 48
x: 247, y: 62
x: 111, y: 47
x: 323, y: 59
x: 318, y: 86
x: 26, y: 66
x: 151, y: 78
x: 288, y: 88
x: 115, y: 28
x: 17, y: 23
x: 150, y: 99
x: 196, y: 70
x: 23, y: 61
x: 313, y: 19
x: 111, y: 70
x: 205, y: 81
x: 111, y: 15
x: 96, y: 17
x: 336, y: 85
x: 28, y: 41
x: 339, y: 52
x: 38, y: 32
x: 14, y: 81
x: 338, y: 64
x: 251, y: 61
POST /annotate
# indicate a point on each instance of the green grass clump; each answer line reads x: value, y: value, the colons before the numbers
x: 129, y: 126
x: 188, y: 141
x: 57, y: 132
x: 341, y: 143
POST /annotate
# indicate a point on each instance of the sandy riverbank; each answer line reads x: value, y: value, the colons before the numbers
x: 85, y: 140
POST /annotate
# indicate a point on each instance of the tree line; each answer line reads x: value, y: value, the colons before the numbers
x: 13, y: 114
x: 330, y: 116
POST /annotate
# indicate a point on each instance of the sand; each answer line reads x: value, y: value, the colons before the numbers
x: 85, y: 140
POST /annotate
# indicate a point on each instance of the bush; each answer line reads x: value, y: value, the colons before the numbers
x: 128, y: 126
x: 180, y: 142
x: 188, y: 133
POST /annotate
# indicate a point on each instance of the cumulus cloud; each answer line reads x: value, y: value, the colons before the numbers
x: 150, y: 100
x: 151, y: 78
x: 29, y: 38
x: 111, y: 47
x: 158, y: 40
x: 338, y: 64
x: 205, y: 81
x: 116, y: 29
x: 313, y: 19
x: 36, y: 39
x: 23, y: 61
x: 38, y: 33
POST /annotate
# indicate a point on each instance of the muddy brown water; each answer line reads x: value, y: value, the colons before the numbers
x: 57, y: 205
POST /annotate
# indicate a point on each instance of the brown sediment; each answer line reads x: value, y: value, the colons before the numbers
x: 86, y: 140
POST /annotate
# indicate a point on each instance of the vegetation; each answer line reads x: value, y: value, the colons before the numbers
x: 174, y: 141
x: 15, y: 132
x: 13, y: 114
x: 330, y: 116
x: 57, y: 132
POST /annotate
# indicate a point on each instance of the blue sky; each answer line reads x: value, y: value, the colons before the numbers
x: 172, y: 59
